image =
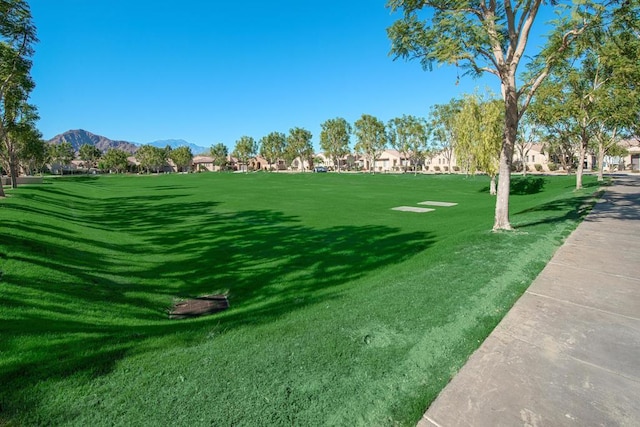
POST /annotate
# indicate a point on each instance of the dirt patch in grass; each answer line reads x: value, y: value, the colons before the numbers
x: 206, y: 304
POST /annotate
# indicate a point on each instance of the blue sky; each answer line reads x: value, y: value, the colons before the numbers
x: 212, y: 71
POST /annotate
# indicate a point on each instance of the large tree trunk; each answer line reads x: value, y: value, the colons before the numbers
x: 601, y: 161
x: 506, y: 157
x: 14, y: 176
x: 581, y: 154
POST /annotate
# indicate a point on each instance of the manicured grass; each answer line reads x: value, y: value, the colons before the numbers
x: 343, y: 311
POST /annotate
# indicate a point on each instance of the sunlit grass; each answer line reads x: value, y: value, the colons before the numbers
x: 343, y: 312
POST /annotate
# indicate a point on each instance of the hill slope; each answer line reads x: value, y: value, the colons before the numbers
x: 80, y: 136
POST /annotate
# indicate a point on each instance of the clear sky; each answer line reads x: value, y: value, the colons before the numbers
x: 211, y: 71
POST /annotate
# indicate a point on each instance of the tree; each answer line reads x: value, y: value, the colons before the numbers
x: 17, y: 37
x: 334, y: 139
x: 616, y: 48
x: 272, y: 147
x: 371, y: 139
x: 115, y: 160
x: 219, y: 152
x: 299, y: 146
x: 151, y: 158
x: 182, y: 157
x: 410, y: 136
x: 62, y: 154
x: 34, y: 154
x: 89, y: 154
x: 593, y: 96
x: 19, y: 124
x: 245, y: 149
x: 442, y: 123
x: 479, y: 136
x: 486, y: 37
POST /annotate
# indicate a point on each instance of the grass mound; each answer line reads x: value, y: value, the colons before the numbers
x: 342, y: 311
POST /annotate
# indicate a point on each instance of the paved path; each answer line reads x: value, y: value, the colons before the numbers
x: 568, y: 352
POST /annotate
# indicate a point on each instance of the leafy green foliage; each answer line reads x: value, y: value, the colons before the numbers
x: 182, y: 157
x: 272, y: 147
x: 371, y: 138
x: 327, y: 321
x: 62, y: 154
x: 89, y: 154
x: 442, y: 121
x: 151, y: 158
x: 245, y: 149
x: 115, y: 160
x: 219, y: 152
x: 478, y: 126
x: 410, y: 136
x: 335, y: 137
x: 299, y: 146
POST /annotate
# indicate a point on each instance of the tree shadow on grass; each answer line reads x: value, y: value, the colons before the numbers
x: 523, y: 185
x: 111, y: 296
x: 573, y: 209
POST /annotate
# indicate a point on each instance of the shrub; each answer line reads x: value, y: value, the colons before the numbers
x: 445, y: 168
x: 436, y: 168
x: 456, y: 168
x: 538, y: 167
x: 552, y: 166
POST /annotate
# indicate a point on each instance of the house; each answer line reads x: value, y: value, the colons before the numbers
x: 443, y: 161
x: 203, y: 164
x: 533, y: 155
x: 392, y: 161
x: 632, y: 160
x: 344, y: 163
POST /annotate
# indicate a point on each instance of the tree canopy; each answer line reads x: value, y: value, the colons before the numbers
x: 151, y: 158
x: 115, y: 160
x: 182, y: 157
x: 272, y: 147
x: 299, y: 146
x: 335, y: 137
x: 478, y: 127
x: 371, y: 138
x: 62, y: 154
x: 245, y: 149
x: 89, y: 154
x: 219, y: 152
x: 410, y: 136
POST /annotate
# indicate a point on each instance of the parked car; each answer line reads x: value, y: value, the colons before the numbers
x: 319, y: 169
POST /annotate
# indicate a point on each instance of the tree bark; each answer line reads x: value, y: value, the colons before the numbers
x: 580, y: 169
x: 13, y: 170
x: 601, y: 161
x: 506, y: 156
x: 492, y: 186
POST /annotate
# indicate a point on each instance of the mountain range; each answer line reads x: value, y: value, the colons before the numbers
x: 78, y: 137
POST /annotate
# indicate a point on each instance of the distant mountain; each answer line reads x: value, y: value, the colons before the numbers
x: 79, y: 137
x: 175, y: 143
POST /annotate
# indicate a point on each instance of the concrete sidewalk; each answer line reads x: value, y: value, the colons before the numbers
x: 568, y: 352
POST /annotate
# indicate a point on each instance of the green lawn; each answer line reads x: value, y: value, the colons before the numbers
x: 343, y: 311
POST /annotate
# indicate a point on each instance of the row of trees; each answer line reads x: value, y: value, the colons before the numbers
x: 150, y: 158
x: 408, y: 134
x: 491, y: 37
